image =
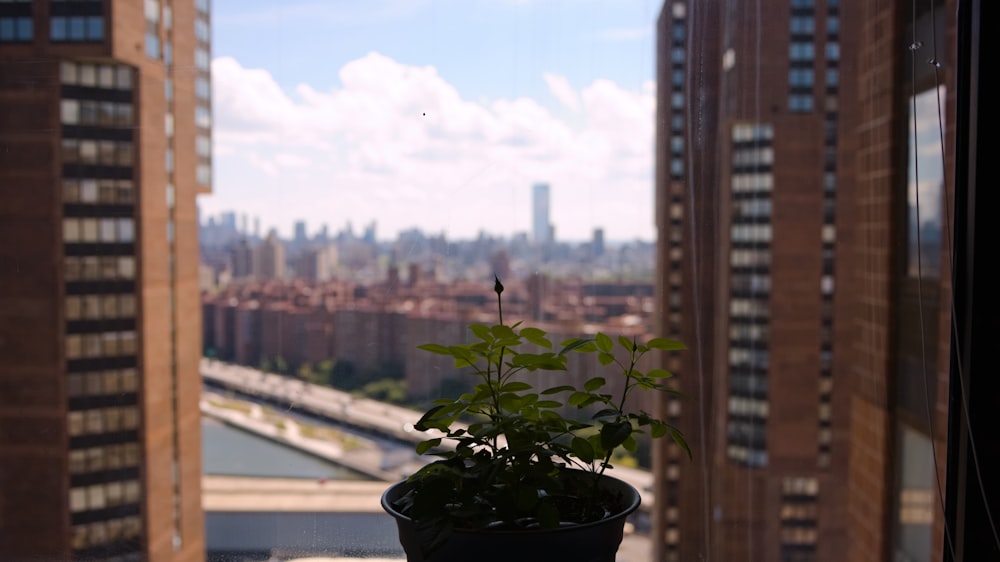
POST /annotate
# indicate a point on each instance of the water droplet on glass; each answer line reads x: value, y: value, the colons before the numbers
x: 916, y: 45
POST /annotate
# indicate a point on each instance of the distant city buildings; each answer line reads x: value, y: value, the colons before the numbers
x: 105, y: 114
x: 373, y: 330
x: 237, y: 256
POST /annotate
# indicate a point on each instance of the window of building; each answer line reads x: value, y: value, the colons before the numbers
x: 16, y: 30
x: 802, y: 51
x: 152, y: 46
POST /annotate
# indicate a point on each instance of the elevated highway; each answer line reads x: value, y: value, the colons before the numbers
x: 338, y: 407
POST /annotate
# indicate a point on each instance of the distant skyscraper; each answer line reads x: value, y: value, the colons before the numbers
x: 300, y: 237
x: 541, y: 227
x: 105, y: 116
x: 597, y: 244
x: 269, y: 258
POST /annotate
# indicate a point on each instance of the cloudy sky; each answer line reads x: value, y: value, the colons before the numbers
x: 436, y: 114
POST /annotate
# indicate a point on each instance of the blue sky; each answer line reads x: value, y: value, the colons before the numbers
x: 435, y: 114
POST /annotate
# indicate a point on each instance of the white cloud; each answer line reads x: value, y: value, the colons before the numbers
x: 560, y: 88
x: 400, y: 145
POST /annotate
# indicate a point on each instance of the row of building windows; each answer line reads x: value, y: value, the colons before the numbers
x: 17, y: 29
x: 102, y: 420
x: 748, y: 332
x: 750, y: 282
x: 747, y: 133
x: 94, y: 152
x: 77, y: 28
x: 756, y: 357
x: 105, y: 457
x: 751, y: 233
x: 749, y: 182
x: 799, y: 512
x: 103, y: 114
x: 102, y: 383
x: 102, y: 496
x: 751, y: 434
x: 95, y: 268
x: 750, y: 257
x: 753, y: 156
x: 103, y: 344
x: 798, y: 535
x: 112, y: 530
x: 750, y: 407
x: 104, y: 230
x: 801, y: 103
x: 745, y: 455
x: 756, y: 208
x: 800, y: 486
x: 95, y: 191
x: 106, y: 76
x: 806, y: 52
x: 748, y: 385
x: 100, y: 307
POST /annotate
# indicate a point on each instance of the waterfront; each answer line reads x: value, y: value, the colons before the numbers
x: 228, y: 451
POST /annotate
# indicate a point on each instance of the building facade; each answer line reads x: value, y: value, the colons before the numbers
x: 105, y: 119
x: 900, y: 397
x: 754, y: 181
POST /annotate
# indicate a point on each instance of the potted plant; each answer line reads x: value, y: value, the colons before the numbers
x: 520, y: 481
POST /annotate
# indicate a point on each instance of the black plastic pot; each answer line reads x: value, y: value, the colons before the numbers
x: 588, y: 542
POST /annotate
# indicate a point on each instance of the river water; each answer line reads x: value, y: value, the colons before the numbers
x: 227, y: 451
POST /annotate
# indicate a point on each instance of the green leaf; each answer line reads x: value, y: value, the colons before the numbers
x: 657, y: 429
x: 605, y: 358
x: 501, y: 332
x: 629, y: 444
x: 605, y: 413
x: 548, y: 404
x: 435, y: 348
x: 627, y: 343
x: 578, y: 398
x: 659, y: 374
x: 537, y: 337
x: 665, y: 344
x: 603, y: 342
x: 427, y: 445
x: 481, y: 332
x: 614, y: 434
x: 583, y: 449
x: 515, y: 386
x: 593, y: 384
x: 577, y: 344
x: 679, y: 439
x: 557, y: 389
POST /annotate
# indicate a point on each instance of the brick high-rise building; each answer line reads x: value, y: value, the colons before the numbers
x: 900, y: 357
x: 105, y: 119
x: 756, y: 117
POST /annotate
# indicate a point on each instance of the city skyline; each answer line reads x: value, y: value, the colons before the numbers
x: 439, y: 117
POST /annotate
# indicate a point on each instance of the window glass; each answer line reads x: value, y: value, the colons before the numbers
x: 70, y: 112
x: 152, y: 46
x: 71, y: 230
x: 88, y: 75
x: 58, y: 29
